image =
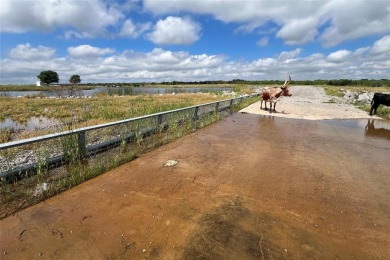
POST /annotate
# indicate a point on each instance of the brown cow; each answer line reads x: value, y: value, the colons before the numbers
x: 272, y: 95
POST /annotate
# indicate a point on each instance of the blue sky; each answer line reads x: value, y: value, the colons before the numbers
x: 197, y: 40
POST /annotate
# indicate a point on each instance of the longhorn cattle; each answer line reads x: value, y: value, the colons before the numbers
x: 272, y: 95
x: 379, y: 99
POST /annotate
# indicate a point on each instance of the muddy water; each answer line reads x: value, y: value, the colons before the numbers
x: 248, y: 187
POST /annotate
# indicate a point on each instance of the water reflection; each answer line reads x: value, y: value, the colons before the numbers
x: 32, y: 124
x: 377, y: 129
x: 368, y: 130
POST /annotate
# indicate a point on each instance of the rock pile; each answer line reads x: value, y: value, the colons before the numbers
x: 362, y: 97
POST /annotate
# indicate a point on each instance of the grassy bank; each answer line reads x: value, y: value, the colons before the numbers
x: 340, y: 91
x: 382, y: 111
x: 67, y: 87
x: 90, y: 111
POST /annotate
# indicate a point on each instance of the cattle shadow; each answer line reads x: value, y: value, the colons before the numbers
x: 377, y: 132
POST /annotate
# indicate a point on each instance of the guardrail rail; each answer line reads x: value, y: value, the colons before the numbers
x: 24, y: 157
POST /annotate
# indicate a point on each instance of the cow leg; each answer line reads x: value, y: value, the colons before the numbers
x: 261, y: 105
x: 275, y: 107
x: 374, y: 107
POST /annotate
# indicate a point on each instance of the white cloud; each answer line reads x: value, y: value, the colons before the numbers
x: 361, y: 51
x: 299, y: 21
x: 91, y: 17
x: 287, y: 55
x: 339, y: 56
x: 129, y: 29
x: 299, y: 31
x: 88, y: 51
x: 69, y: 34
x: 175, y: 31
x: 382, y: 46
x: 354, y: 19
x: 106, y: 65
x: 263, y: 41
x: 26, y: 52
x: 380, y: 50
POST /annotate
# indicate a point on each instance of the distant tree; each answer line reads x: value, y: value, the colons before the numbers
x: 48, y: 76
x: 75, y: 79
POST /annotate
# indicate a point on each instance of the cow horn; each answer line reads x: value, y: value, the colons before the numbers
x: 287, y: 82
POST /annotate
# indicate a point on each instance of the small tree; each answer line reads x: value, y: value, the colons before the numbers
x: 48, y: 76
x: 75, y: 79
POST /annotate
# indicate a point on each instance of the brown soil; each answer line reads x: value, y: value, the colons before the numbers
x: 248, y: 187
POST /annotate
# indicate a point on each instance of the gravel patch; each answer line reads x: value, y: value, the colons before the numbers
x: 311, y: 103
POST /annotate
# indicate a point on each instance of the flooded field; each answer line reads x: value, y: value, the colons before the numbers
x: 119, y: 91
x: 247, y: 187
x: 32, y: 123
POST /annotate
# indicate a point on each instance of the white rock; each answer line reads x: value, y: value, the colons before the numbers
x: 171, y: 163
x: 40, y: 188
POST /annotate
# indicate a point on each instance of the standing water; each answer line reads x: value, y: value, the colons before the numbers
x: 247, y: 187
x: 120, y: 91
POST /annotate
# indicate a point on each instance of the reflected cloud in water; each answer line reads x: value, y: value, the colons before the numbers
x: 32, y: 124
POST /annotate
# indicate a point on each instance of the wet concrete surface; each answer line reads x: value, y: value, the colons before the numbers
x: 247, y: 187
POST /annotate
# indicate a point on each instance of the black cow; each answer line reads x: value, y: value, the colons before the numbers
x: 379, y: 99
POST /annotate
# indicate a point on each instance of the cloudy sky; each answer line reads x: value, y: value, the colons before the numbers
x: 194, y: 40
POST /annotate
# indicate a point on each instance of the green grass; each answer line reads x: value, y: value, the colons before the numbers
x: 382, y: 111
x: 92, y: 111
x: 339, y: 91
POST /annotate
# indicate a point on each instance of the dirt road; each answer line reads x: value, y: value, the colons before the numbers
x: 248, y: 187
x: 309, y: 102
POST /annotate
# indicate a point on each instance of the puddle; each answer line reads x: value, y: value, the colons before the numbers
x: 378, y: 129
x: 32, y: 124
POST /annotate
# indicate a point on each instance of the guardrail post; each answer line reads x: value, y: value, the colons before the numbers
x: 159, y: 119
x: 196, y: 113
x: 159, y: 123
x: 82, y: 144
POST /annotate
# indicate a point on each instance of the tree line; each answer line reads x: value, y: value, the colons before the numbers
x: 333, y: 82
x: 48, y: 77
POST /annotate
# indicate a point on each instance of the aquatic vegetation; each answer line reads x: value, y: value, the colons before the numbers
x: 91, y: 111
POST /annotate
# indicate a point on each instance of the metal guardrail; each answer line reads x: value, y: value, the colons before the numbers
x: 9, y: 168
